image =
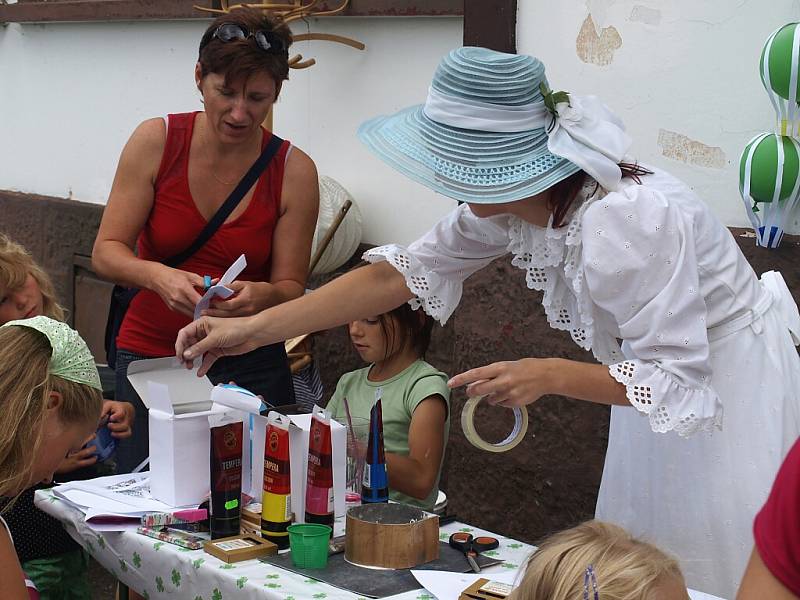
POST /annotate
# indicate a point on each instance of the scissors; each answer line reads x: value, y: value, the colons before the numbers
x: 472, y: 546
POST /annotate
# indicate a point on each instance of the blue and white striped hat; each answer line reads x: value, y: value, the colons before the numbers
x: 484, y: 134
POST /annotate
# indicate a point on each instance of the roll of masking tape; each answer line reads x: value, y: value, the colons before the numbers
x: 514, y: 438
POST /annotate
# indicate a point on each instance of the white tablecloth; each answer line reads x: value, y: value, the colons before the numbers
x: 159, y: 570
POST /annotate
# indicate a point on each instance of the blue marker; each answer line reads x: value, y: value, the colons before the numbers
x: 206, y: 282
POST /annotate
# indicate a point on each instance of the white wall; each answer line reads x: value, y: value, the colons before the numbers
x: 70, y: 95
x: 684, y: 72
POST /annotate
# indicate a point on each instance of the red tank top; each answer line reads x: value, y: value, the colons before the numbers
x: 150, y: 328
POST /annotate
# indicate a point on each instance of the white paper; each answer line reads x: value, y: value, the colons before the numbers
x: 446, y: 585
x: 220, y: 288
x: 127, y: 494
x: 695, y: 595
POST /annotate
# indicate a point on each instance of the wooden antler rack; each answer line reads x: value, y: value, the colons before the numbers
x: 292, y: 11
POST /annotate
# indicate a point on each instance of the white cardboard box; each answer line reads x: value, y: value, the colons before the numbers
x: 179, y: 405
x: 298, y: 461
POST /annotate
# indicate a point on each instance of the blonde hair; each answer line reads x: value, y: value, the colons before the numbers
x: 16, y: 263
x: 624, y: 568
x: 25, y: 387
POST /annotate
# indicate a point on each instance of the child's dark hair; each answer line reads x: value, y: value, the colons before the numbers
x: 413, y: 327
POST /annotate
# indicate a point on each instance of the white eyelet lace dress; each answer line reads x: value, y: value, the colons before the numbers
x: 707, y: 357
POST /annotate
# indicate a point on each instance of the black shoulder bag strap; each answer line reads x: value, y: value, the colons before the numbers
x: 121, y: 296
x: 230, y: 204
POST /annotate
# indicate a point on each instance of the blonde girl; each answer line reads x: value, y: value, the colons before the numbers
x: 49, y: 556
x: 50, y: 402
x: 599, y: 560
x: 25, y: 289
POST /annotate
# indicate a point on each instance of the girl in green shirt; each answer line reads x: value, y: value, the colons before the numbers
x: 415, y: 400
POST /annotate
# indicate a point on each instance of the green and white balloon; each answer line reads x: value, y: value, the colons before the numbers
x: 769, y: 181
x: 779, y: 68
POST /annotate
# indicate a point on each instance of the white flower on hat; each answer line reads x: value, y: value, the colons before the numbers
x: 571, y: 112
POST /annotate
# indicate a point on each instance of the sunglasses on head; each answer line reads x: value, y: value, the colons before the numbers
x: 267, y: 40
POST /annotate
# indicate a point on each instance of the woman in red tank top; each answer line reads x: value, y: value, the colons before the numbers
x: 172, y: 178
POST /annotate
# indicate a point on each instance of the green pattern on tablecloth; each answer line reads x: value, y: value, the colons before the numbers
x: 159, y: 570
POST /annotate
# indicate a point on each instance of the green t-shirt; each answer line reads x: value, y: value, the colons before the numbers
x: 401, y: 395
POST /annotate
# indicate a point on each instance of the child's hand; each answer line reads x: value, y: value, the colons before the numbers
x: 84, y: 457
x: 120, y: 418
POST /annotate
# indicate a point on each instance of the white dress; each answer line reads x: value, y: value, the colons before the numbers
x: 707, y: 358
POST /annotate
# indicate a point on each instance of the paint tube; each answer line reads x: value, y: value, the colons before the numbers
x: 226, y: 475
x: 276, y: 503
x: 375, y: 486
x: 319, y: 483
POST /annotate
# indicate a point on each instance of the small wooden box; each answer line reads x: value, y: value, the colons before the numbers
x: 483, y: 589
x: 240, y: 547
x: 252, y: 513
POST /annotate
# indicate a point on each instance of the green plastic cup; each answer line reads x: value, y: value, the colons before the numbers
x: 308, y: 543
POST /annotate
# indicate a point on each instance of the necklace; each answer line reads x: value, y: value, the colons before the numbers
x: 204, y: 142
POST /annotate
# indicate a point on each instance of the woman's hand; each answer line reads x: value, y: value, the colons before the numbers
x: 508, y: 383
x: 250, y: 297
x: 120, y: 418
x: 178, y: 289
x: 212, y: 337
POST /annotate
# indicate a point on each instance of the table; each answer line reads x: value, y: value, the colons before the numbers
x: 159, y: 570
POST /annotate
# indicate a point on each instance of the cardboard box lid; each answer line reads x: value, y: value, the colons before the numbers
x: 167, y: 387
x: 187, y: 393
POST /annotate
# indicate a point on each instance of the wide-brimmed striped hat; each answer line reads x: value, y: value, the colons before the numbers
x: 485, y: 134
